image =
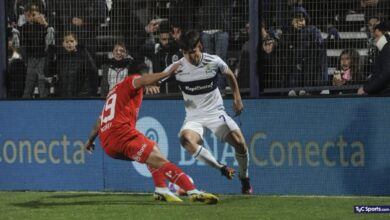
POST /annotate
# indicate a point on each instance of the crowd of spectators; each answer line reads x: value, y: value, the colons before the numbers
x: 53, y: 45
x: 303, y: 44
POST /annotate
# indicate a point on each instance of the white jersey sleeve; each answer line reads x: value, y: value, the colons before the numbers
x: 167, y: 69
x: 223, y: 67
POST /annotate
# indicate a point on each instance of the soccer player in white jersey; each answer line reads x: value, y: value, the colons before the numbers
x: 204, y: 107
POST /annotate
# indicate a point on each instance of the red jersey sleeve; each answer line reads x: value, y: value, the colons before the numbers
x: 129, y: 82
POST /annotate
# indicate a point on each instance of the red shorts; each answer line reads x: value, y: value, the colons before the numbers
x: 136, y: 148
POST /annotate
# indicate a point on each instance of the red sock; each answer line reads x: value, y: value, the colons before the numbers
x: 176, y: 176
x: 158, y: 177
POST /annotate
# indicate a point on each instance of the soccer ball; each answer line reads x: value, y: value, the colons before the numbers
x: 177, y: 190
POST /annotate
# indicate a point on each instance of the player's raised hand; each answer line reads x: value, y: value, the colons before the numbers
x: 238, y: 107
x: 152, y: 90
x: 89, y: 146
x: 152, y: 26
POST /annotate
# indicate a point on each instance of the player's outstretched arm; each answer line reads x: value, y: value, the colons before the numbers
x: 90, y: 144
x: 149, y: 79
x: 237, y: 103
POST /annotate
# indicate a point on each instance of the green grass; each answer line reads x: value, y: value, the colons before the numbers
x: 115, y: 206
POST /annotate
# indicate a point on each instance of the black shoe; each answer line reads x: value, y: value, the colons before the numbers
x: 246, y: 187
x: 228, y: 172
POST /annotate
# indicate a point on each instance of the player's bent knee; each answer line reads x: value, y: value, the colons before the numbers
x: 186, y: 140
x: 156, y: 159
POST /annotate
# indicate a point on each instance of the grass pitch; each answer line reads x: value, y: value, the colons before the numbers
x: 95, y: 205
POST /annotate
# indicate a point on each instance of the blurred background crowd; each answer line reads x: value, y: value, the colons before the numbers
x: 82, y: 48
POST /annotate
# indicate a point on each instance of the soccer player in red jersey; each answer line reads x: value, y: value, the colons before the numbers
x: 120, y: 139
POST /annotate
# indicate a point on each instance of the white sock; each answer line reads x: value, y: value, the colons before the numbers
x: 205, y: 156
x: 194, y: 191
x: 162, y: 190
x: 243, y: 163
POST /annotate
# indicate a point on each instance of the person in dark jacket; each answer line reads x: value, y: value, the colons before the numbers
x: 32, y: 38
x: 304, y: 52
x: 82, y: 17
x: 16, y: 71
x: 379, y: 82
x: 16, y: 8
x: 167, y: 52
x: 76, y: 70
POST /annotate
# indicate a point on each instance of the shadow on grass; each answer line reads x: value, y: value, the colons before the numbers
x: 36, y: 204
x: 113, y: 199
x: 94, y: 199
x: 88, y: 195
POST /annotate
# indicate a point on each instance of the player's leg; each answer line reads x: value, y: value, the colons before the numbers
x: 237, y: 140
x: 173, y: 173
x: 225, y: 128
x: 161, y: 192
x: 138, y: 149
x: 178, y: 177
x: 190, y: 139
x: 144, y: 150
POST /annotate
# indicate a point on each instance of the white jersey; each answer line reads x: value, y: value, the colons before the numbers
x: 198, y: 84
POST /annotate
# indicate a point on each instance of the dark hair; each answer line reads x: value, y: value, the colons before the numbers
x: 121, y: 44
x: 189, y: 40
x: 299, y: 11
x: 31, y: 7
x: 164, y: 28
x: 356, y: 63
x: 383, y: 26
x: 69, y: 33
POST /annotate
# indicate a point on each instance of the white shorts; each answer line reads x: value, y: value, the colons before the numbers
x: 220, y: 123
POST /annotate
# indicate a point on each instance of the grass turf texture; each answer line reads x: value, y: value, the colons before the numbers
x: 91, y: 205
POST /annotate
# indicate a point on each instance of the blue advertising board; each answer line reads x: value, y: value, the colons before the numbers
x: 328, y: 146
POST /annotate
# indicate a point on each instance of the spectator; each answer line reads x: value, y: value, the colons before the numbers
x: 379, y: 82
x: 32, y: 38
x: 304, y: 53
x: 167, y: 52
x: 82, y: 17
x: 275, y: 13
x: 75, y: 68
x: 215, y: 22
x: 16, y: 71
x: 118, y: 68
x: 271, y: 78
x: 16, y: 9
x: 371, y: 45
x: 127, y: 24
x: 349, y: 70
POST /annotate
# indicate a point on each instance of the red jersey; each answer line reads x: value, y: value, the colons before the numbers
x: 120, y: 113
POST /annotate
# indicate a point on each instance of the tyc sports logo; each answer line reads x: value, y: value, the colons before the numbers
x: 153, y: 130
x: 362, y: 209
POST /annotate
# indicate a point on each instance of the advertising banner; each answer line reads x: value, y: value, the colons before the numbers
x: 328, y: 146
